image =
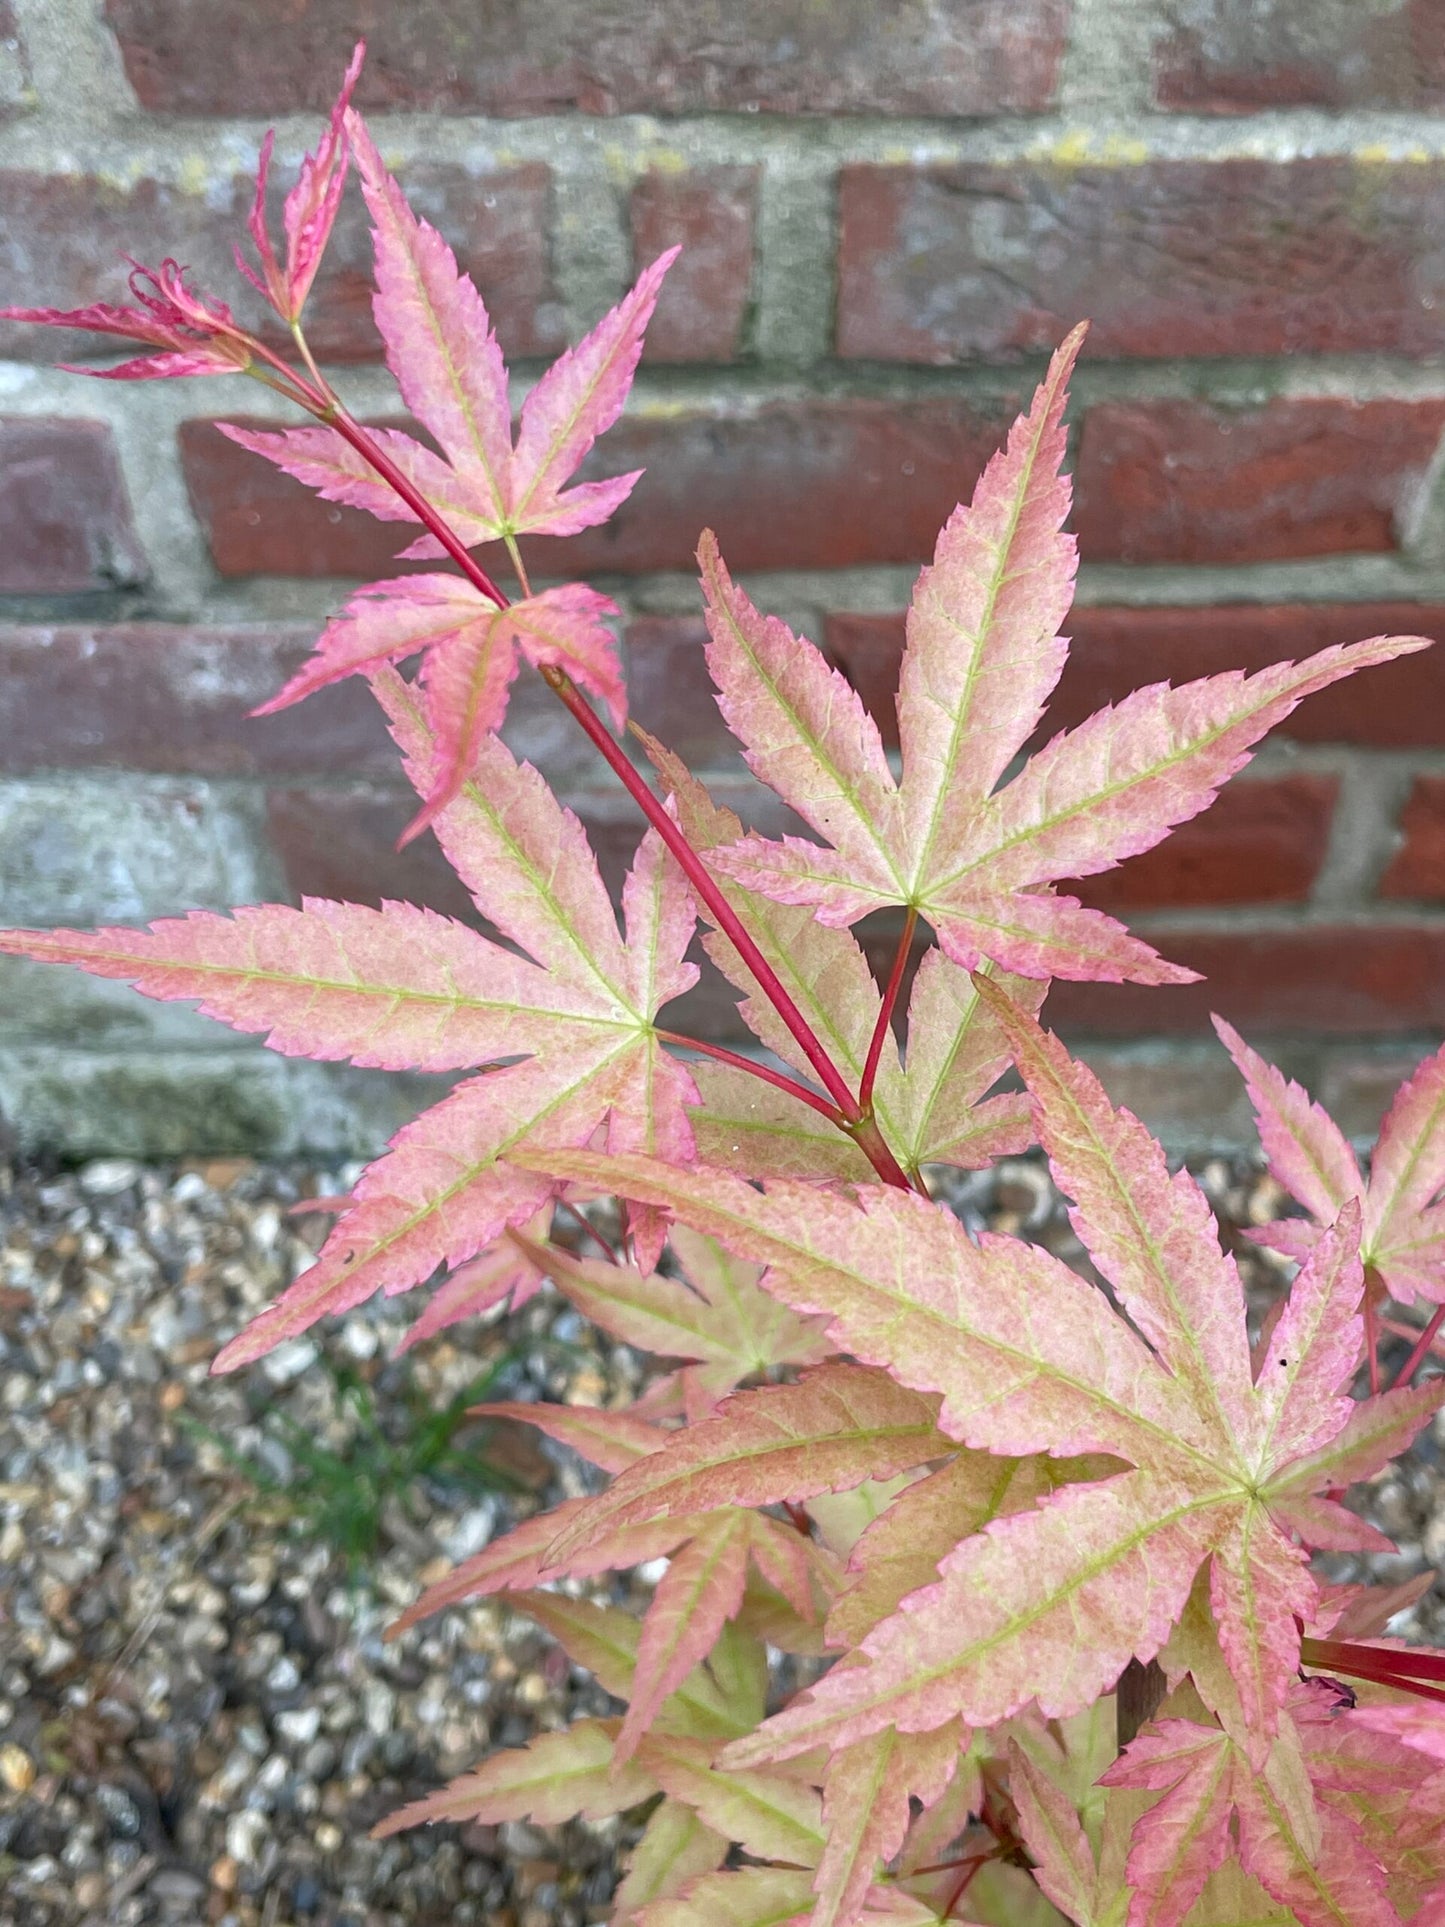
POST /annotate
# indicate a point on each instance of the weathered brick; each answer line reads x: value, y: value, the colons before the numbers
x: 116, y: 849
x: 169, y: 698
x: 812, y: 484
x: 669, y: 691
x: 599, y: 56
x: 709, y: 213
x: 1418, y: 866
x: 1186, y: 481
x: 1357, y: 1086
x: 1241, y: 56
x: 174, y: 699
x: 1399, y: 706
x: 16, y: 92
x: 340, y: 843
x: 65, y: 238
x: 172, y: 1104
x: 1371, y: 979
x: 64, y: 510
x: 1167, y: 257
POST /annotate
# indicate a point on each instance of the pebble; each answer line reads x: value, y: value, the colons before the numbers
x: 108, y: 1177
x: 17, y: 1769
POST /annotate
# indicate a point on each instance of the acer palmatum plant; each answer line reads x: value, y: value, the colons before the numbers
x: 989, y: 1490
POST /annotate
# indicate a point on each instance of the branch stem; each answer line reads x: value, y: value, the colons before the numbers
x: 351, y: 431
x: 516, y: 555
x: 885, y: 1011
x: 718, y: 908
x: 1422, y: 1350
x: 754, y: 1069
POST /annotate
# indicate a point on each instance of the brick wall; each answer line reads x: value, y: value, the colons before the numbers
x: 891, y: 213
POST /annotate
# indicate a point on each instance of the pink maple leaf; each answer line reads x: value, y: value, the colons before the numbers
x: 1339, y: 1823
x: 983, y: 652
x: 932, y: 1109
x: 197, y: 333
x: 310, y: 209
x: 471, y: 650
x: 449, y: 368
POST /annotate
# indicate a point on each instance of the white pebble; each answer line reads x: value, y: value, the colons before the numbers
x: 289, y: 1361
x: 108, y: 1177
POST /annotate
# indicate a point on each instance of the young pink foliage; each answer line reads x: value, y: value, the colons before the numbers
x: 310, y: 210
x: 1030, y: 1359
x: 402, y: 986
x: 1381, y: 1818
x: 574, y: 1772
x: 1403, y: 1236
x: 982, y: 655
x: 197, y: 334
x: 445, y: 358
x: 471, y: 650
x: 1065, y: 1869
x: 398, y: 987
x: 701, y: 1589
x: 901, y: 1551
x: 867, y: 1811
x: 676, y: 1847
x: 612, y: 1440
x: 720, y: 1318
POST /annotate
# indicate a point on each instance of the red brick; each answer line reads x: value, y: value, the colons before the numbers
x: 812, y: 484
x: 1229, y: 257
x: 669, y: 691
x: 171, y: 698
x: 64, y: 241
x: 340, y: 843
x: 1240, y: 56
x: 1374, y: 979
x: 709, y: 213
x: 599, y: 56
x: 64, y: 510
x: 1418, y: 867
x: 1186, y: 481
x: 1400, y: 706
x: 175, y: 699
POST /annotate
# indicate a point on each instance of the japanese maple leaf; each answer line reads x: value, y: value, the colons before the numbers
x: 449, y: 368
x: 983, y: 653
x: 1402, y: 1239
x: 402, y: 987
x: 932, y: 1107
x: 1375, y: 1843
x: 471, y: 650
x: 310, y: 209
x: 1050, y: 1604
x: 197, y: 334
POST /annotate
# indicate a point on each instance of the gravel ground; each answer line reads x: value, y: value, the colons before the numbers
x: 199, y: 1718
